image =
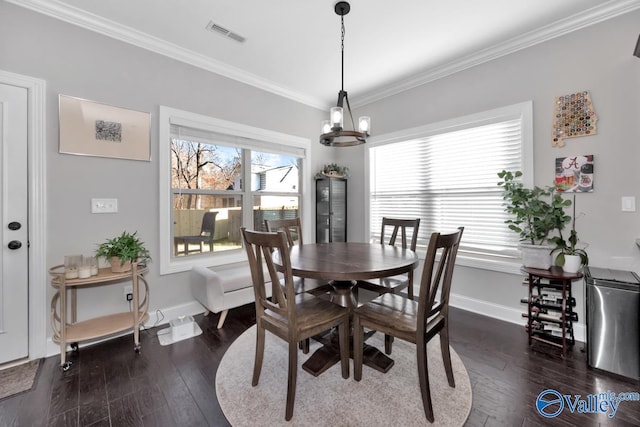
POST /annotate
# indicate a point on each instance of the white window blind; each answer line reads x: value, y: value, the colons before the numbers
x: 449, y: 179
x: 211, y: 137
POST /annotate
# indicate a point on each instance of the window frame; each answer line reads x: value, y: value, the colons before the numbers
x: 167, y: 117
x: 523, y: 110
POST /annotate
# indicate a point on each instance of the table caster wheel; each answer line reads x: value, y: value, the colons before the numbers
x: 74, y: 347
x: 65, y: 366
x: 137, y: 348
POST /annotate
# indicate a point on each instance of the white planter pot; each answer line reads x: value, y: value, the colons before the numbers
x: 572, y: 263
x: 536, y: 256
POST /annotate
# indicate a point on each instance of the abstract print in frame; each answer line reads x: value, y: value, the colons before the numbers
x: 93, y: 129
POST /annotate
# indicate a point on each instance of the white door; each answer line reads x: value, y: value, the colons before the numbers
x: 14, y: 263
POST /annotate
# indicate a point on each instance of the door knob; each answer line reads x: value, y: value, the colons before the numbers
x: 14, y: 225
x: 15, y: 244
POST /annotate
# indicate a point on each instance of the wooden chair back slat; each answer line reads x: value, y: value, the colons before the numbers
x: 398, y: 225
x: 292, y: 228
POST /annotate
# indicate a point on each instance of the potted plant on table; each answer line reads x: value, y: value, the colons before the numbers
x: 570, y: 258
x: 332, y: 170
x: 537, y: 212
x: 121, y: 251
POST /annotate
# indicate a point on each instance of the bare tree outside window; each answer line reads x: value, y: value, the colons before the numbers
x: 196, y: 165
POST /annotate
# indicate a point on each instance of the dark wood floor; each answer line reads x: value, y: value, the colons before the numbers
x: 109, y: 384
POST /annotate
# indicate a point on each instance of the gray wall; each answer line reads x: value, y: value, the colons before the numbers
x: 599, y: 59
x: 80, y: 63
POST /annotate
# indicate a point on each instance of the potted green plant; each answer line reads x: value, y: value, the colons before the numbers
x: 333, y: 170
x: 570, y: 258
x: 121, y: 251
x: 537, y: 212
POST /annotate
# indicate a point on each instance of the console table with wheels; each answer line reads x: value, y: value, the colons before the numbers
x: 544, y: 309
x: 67, y: 330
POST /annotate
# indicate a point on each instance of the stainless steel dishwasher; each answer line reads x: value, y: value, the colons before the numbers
x: 613, y: 320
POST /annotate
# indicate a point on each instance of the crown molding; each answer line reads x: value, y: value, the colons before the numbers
x: 100, y: 25
x: 584, y: 19
x: 83, y: 19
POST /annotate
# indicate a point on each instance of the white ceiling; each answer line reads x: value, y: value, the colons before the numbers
x: 292, y: 47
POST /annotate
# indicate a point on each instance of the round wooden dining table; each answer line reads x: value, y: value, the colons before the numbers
x: 346, y: 266
x: 347, y: 261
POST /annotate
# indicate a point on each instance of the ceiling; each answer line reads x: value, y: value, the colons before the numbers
x: 292, y: 47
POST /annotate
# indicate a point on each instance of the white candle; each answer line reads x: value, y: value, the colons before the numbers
x: 71, y: 272
x: 84, y: 271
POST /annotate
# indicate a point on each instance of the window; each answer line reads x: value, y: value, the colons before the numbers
x: 446, y: 174
x: 219, y: 176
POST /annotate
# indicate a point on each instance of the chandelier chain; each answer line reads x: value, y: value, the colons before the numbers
x: 342, y: 50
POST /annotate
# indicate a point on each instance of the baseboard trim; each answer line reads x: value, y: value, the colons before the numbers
x: 165, y: 315
x: 501, y: 312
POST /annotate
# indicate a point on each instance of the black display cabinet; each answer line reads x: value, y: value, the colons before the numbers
x: 331, y: 210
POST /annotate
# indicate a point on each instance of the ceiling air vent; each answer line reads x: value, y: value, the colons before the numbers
x: 215, y: 28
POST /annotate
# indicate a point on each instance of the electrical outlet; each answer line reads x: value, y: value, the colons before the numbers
x: 128, y: 293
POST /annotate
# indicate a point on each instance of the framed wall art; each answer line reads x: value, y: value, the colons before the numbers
x: 574, y: 174
x: 93, y: 129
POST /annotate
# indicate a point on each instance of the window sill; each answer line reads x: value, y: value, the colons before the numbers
x: 511, y: 266
x: 497, y: 264
x: 178, y: 265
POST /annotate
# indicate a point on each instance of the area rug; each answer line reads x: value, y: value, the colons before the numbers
x: 19, y: 378
x: 329, y: 400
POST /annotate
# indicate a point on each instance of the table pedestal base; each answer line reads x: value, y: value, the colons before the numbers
x: 344, y: 294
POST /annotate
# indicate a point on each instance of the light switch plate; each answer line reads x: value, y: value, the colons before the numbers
x: 104, y: 205
x: 628, y: 204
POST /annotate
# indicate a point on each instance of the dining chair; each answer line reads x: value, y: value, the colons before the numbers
x: 415, y: 321
x: 207, y: 231
x: 294, y: 317
x: 398, y: 228
x: 394, y: 228
x: 292, y: 228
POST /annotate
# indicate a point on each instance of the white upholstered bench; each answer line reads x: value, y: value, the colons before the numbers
x: 221, y: 290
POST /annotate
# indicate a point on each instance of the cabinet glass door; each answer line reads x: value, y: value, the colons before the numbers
x: 338, y: 210
x: 331, y: 210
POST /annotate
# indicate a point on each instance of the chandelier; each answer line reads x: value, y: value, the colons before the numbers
x: 333, y: 132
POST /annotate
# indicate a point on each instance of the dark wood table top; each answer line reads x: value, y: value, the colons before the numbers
x: 554, y: 272
x: 349, y: 261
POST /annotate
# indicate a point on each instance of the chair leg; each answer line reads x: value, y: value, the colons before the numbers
x: 343, y: 330
x: 257, y: 365
x: 423, y: 378
x: 292, y: 378
x: 358, y: 343
x: 388, y: 343
x: 223, y: 317
x: 304, y: 345
x: 446, y: 354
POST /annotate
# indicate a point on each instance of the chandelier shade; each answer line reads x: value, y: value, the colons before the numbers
x: 333, y: 130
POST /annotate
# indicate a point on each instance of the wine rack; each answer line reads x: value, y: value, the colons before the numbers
x: 550, y: 306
